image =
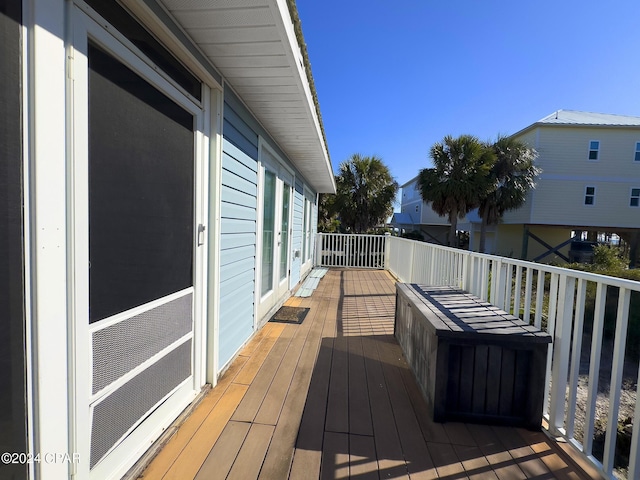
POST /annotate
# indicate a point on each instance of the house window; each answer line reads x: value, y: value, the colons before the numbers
x: 590, y: 195
x: 417, y: 208
x: 594, y: 148
x: 636, y: 156
x: 634, y: 201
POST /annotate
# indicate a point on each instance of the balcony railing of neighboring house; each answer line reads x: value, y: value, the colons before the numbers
x: 586, y: 314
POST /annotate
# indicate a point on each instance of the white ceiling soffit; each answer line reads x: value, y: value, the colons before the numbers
x: 253, y: 45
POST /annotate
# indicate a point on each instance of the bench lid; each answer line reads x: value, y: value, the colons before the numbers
x: 454, y: 312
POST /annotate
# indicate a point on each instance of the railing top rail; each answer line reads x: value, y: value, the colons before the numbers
x: 324, y: 234
x: 588, y: 276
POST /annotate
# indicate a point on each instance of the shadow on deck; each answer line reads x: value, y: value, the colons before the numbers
x: 334, y: 398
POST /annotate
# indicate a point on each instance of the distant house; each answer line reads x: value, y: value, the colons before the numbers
x: 416, y: 215
x: 160, y: 162
x: 590, y: 181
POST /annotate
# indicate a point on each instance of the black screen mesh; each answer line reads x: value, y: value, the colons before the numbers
x: 141, y: 177
x: 12, y: 323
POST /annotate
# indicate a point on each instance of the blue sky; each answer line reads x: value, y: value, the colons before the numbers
x: 394, y: 77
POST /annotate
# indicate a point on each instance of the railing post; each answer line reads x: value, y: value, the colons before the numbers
x: 412, y: 260
x: 318, y: 259
x: 561, y: 348
x: 465, y: 272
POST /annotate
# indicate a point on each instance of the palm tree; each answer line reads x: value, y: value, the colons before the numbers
x: 513, y: 175
x: 459, y: 179
x: 365, y: 191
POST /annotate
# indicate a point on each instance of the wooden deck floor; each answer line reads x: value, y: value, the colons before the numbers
x: 333, y: 398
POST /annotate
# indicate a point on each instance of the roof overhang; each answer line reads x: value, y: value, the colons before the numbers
x: 253, y: 45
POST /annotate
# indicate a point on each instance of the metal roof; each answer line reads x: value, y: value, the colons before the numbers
x: 400, y: 218
x: 253, y: 44
x: 573, y: 117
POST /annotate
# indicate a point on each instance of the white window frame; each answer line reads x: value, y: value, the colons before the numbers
x: 589, y: 195
x: 597, y: 150
x: 632, y: 196
x: 636, y: 153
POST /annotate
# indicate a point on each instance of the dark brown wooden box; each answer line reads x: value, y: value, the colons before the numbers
x: 473, y: 362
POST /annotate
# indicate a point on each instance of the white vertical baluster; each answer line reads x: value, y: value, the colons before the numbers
x: 594, y: 367
x: 528, y: 289
x: 561, y: 348
x: 576, y: 350
x: 551, y: 325
x: 517, y: 292
x: 622, y: 321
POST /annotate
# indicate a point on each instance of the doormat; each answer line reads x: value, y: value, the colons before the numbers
x: 290, y: 315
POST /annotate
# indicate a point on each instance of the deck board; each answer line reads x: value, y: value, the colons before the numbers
x: 258, y: 350
x: 249, y: 460
x: 333, y: 397
x: 251, y: 403
x: 338, y: 401
x: 224, y: 453
x: 280, y: 455
x: 335, y: 456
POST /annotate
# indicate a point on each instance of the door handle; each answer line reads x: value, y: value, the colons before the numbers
x: 201, y: 229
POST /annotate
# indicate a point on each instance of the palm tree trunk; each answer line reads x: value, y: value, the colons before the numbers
x: 453, y: 220
x: 483, y: 234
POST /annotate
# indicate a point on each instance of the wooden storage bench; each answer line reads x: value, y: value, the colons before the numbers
x: 473, y: 362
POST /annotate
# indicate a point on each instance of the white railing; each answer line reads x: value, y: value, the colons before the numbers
x: 566, y: 303
x: 554, y: 299
x: 351, y: 251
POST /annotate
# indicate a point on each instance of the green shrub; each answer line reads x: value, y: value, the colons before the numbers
x: 606, y: 257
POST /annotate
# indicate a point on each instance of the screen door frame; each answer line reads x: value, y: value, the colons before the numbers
x: 88, y: 26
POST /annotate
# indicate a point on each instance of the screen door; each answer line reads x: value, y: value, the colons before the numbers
x: 135, y: 211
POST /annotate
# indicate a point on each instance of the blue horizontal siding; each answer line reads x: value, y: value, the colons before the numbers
x: 239, y: 212
x: 232, y: 153
x: 238, y: 132
x: 232, y: 225
x: 237, y: 234
x: 237, y: 240
x: 231, y: 195
x: 234, y: 255
x: 241, y: 281
x: 234, y: 165
x: 231, y: 180
x: 235, y: 300
x: 243, y: 265
x: 235, y: 329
